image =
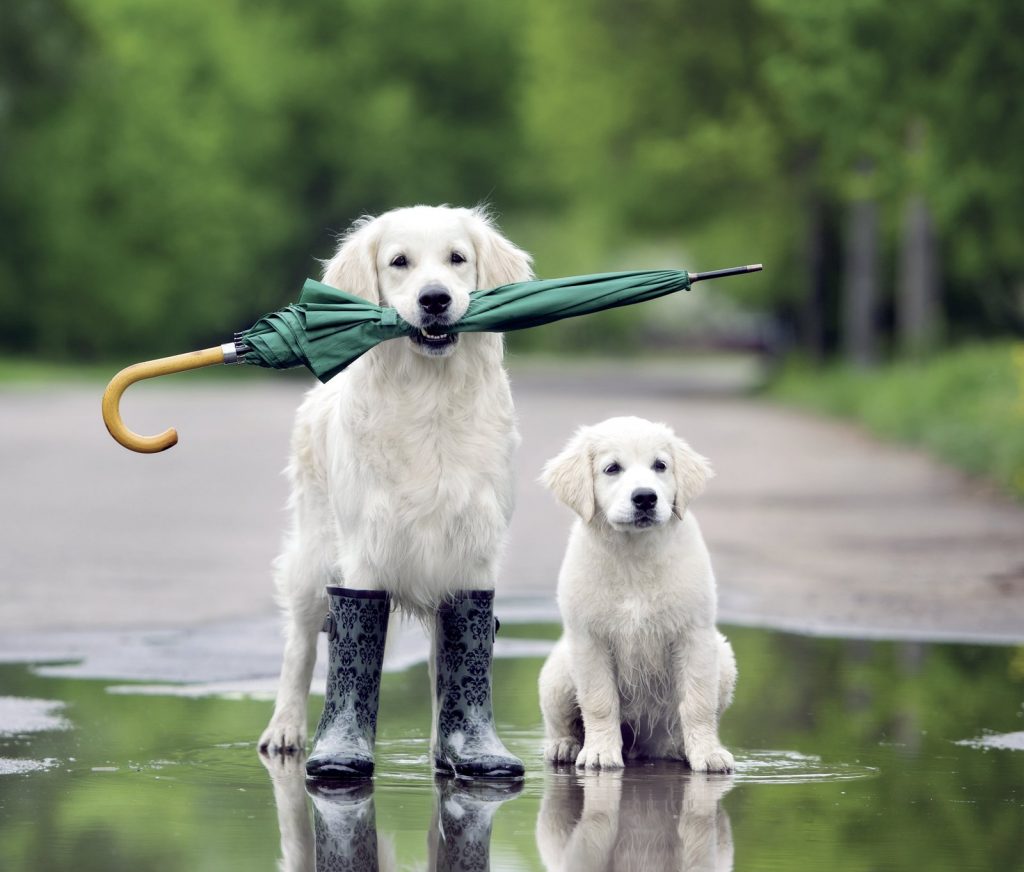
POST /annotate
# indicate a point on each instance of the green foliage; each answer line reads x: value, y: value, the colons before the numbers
x: 200, y: 152
x: 966, y: 406
x: 169, y: 171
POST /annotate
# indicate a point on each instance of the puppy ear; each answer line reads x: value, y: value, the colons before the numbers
x: 354, y: 266
x: 692, y: 473
x: 570, y: 476
x: 498, y: 261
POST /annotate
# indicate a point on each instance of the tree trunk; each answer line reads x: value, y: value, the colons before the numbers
x: 860, y: 292
x: 918, y: 289
x: 814, y: 311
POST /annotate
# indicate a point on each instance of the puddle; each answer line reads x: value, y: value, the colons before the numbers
x: 851, y: 755
x: 791, y: 767
x: 20, y: 716
x: 1005, y: 742
x: 9, y: 766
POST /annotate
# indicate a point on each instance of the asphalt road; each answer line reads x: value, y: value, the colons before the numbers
x: 812, y: 525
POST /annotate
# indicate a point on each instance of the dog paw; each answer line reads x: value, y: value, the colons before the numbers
x: 284, y: 766
x: 599, y: 757
x: 711, y: 759
x: 283, y: 736
x: 564, y: 750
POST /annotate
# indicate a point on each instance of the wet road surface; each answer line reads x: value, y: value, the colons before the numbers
x: 139, y: 648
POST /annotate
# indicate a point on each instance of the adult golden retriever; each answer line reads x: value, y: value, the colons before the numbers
x: 401, y: 467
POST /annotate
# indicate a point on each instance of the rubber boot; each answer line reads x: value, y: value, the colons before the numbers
x: 460, y: 833
x: 466, y: 741
x: 356, y: 627
x: 344, y: 823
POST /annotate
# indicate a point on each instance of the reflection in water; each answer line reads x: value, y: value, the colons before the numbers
x: 344, y: 837
x: 639, y: 820
x: 852, y: 792
x: 288, y: 775
x: 460, y: 833
x: 345, y: 827
x: 642, y: 820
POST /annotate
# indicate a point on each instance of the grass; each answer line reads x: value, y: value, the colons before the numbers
x: 965, y: 405
x: 28, y: 372
x: 16, y: 371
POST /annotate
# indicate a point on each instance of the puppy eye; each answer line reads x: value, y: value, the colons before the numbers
x: 659, y: 466
x: 457, y: 258
x: 399, y: 261
x: 612, y: 469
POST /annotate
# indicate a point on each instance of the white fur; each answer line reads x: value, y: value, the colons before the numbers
x: 401, y: 467
x: 640, y: 657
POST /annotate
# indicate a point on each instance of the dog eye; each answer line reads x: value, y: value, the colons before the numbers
x: 612, y: 469
x: 457, y: 258
x: 399, y: 261
x: 659, y: 466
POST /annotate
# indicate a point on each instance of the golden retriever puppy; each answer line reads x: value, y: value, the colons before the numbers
x: 641, y: 670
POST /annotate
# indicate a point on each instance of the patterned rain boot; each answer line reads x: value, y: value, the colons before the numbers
x: 467, y: 744
x: 356, y: 627
x: 460, y: 833
x: 344, y: 823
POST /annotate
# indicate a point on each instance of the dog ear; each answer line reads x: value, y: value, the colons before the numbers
x: 570, y: 476
x: 692, y: 473
x: 498, y: 261
x: 354, y: 266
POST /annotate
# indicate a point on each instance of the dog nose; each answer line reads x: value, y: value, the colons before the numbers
x: 644, y: 498
x: 435, y: 299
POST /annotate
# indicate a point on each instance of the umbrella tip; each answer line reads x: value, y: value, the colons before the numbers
x: 721, y: 273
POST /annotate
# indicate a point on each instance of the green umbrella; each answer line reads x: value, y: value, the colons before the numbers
x: 327, y: 329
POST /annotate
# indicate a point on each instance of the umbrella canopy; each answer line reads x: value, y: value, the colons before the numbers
x: 328, y: 329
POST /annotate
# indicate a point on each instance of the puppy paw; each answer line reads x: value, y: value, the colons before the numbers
x: 595, y: 756
x: 564, y: 750
x: 284, y: 735
x: 711, y: 759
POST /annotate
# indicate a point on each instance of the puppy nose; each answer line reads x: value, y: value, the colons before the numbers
x: 435, y: 299
x: 644, y: 498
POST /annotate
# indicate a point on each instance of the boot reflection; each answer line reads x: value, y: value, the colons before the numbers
x: 460, y: 832
x: 345, y: 827
x: 641, y: 820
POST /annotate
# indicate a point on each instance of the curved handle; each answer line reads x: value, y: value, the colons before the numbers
x: 150, y: 369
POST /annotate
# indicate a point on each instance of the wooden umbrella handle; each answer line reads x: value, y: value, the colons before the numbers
x: 150, y: 369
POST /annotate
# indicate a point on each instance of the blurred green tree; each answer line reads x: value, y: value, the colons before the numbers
x: 167, y: 172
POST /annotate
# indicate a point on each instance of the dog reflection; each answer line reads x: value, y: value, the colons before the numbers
x: 343, y: 836
x: 641, y: 820
x: 288, y: 776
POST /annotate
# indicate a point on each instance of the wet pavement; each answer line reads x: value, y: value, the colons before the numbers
x: 851, y: 755
x: 139, y: 648
x: 812, y: 526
